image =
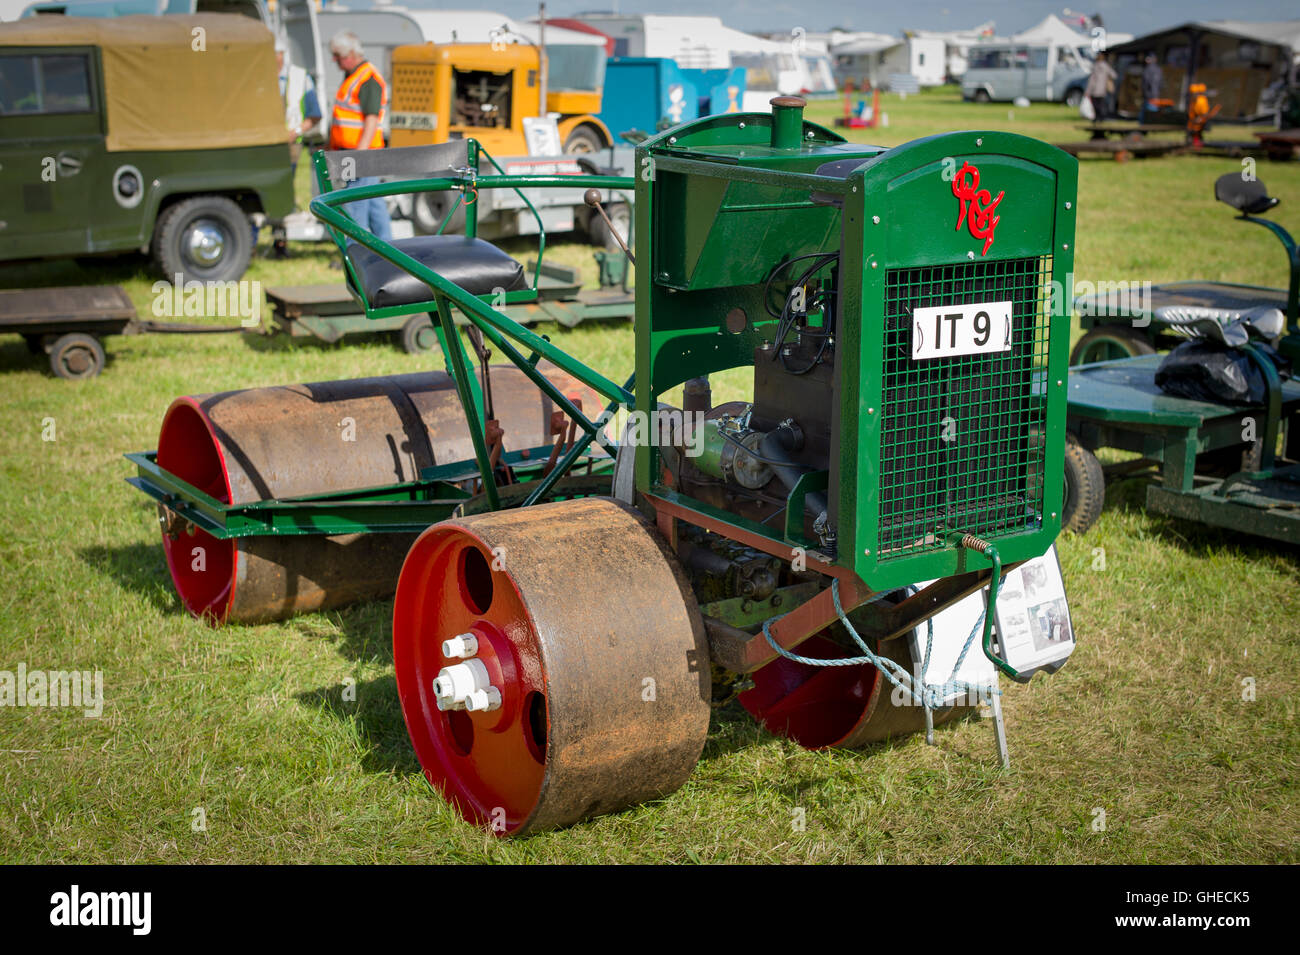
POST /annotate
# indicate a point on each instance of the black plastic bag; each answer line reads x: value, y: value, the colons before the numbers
x: 1208, y: 371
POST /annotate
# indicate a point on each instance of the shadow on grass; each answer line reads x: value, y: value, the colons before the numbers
x: 85, y: 270
x: 16, y: 356
x: 1128, y: 496
x: 732, y: 729
x: 139, y: 567
x: 361, y: 632
x: 271, y: 338
x: 374, y: 707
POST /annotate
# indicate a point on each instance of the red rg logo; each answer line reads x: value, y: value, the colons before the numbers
x: 976, y: 205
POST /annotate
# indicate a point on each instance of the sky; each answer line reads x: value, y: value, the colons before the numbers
x: 1011, y: 16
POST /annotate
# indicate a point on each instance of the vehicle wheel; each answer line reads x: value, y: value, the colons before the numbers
x: 584, y: 139
x: 1085, y: 487
x: 430, y: 209
x: 620, y: 214
x: 1106, y: 342
x: 1073, y: 97
x: 205, y: 239
x: 418, y: 335
x: 77, y: 355
x: 982, y: 96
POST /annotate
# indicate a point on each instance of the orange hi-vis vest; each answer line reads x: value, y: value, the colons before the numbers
x: 347, y: 122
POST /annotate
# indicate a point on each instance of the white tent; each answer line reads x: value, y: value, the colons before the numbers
x: 1052, y: 31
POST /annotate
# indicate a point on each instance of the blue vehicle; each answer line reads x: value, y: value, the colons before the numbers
x: 645, y: 94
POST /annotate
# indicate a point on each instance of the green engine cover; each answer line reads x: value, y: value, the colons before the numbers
x: 952, y: 324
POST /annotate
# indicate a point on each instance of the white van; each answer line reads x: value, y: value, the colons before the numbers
x: 1005, y: 71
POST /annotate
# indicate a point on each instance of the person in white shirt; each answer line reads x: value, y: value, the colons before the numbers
x: 301, y: 115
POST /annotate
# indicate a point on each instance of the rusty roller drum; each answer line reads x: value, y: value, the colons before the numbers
x: 591, y: 661
x: 283, y: 442
x: 850, y: 707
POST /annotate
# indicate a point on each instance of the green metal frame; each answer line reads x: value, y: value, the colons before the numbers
x: 496, y: 327
x: 1293, y: 261
x: 468, y: 184
x: 413, y: 506
x: 404, y: 508
x: 409, y: 507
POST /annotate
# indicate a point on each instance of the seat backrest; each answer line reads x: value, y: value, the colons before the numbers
x: 1246, y: 196
x: 406, y: 162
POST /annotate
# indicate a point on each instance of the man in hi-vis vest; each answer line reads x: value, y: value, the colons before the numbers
x: 357, y: 123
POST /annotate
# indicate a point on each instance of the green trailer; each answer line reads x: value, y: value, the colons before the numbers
x: 1217, y: 463
x: 329, y: 313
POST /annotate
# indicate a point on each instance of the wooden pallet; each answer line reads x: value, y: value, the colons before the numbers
x: 1280, y: 143
x: 1123, y: 150
x: 95, y: 309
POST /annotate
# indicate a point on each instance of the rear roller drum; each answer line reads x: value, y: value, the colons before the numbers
x: 551, y: 664
x: 848, y: 706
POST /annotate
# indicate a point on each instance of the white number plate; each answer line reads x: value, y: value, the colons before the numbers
x: 413, y: 121
x: 951, y: 330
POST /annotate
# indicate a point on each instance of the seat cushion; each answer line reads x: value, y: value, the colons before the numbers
x: 1226, y: 326
x: 477, y: 266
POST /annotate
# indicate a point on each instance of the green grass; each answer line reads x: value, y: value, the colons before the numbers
x: 250, y: 723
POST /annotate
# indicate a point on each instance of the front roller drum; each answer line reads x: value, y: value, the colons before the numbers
x: 551, y: 663
x: 844, y: 706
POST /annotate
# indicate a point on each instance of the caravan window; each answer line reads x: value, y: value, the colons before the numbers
x: 759, y: 74
x: 996, y: 58
x: 32, y: 85
x: 1038, y: 58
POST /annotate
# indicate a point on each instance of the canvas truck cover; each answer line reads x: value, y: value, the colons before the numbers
x: 168, y: 87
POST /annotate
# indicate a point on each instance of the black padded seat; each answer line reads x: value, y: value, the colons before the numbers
x: 836, y: 169
x: 477, y: 266
x: 1247, y: 196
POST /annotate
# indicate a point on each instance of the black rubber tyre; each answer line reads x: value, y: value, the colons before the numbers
x: 1107, y: 342
x: 620, y: 214
x: 1085, y: 487
x: 982, y: 96
x: 583, y: 140
x: 204, y: 238
x: 418, y: 336
x: 77, y: 355
x: 430, y: 209
x: 1073, y: 97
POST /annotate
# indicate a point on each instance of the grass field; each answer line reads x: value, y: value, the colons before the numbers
x: 249, y: 724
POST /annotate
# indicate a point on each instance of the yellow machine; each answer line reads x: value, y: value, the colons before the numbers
x: 454, y: 90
